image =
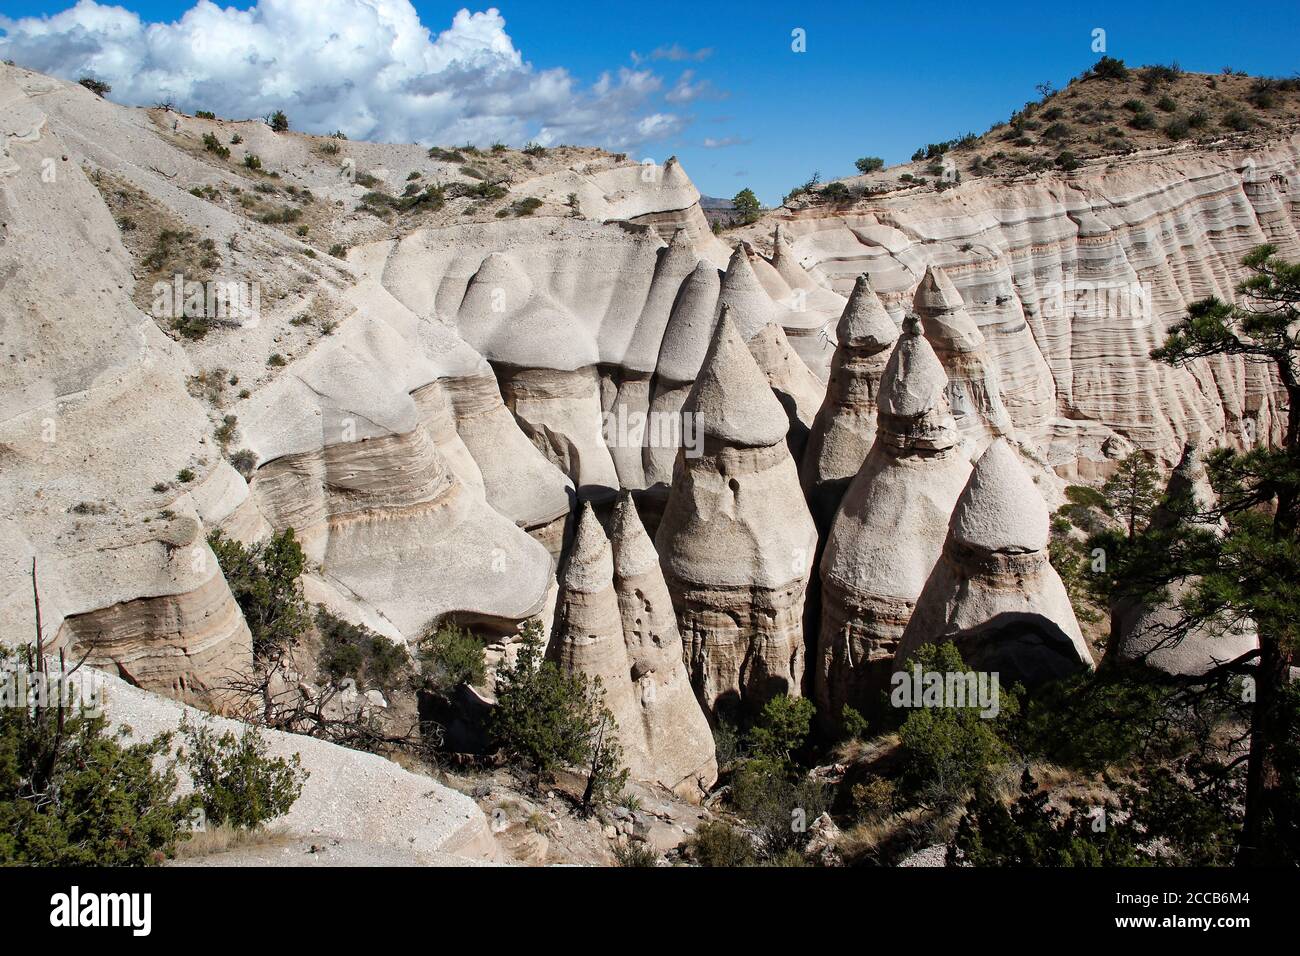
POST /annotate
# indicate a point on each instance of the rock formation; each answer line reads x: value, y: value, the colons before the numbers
x: 845, y: 427
x: 615, y: 622
x: 588, y: 636
x: 889, y: 531
x: 994, y: 593
x: 974, y: 392
x: 736, y: 541
x: 677, y: 734
x: 1156, y: 634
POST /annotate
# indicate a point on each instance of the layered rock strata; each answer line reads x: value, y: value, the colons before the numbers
x: 889, y: 530
x: 736, y: 541
x: 974, y: 392
x: 677, y: 734
x: 845, y: 427
x: 994, y: 593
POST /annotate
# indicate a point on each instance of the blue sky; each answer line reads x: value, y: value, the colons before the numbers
x: 875, y: 79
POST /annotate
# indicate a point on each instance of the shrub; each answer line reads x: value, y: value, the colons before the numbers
x: 450, y: 656
x: 1067, y: 160
x: 869, y: 164
x: 276, y: 360
x: 263, y: 578
x: 718, y: 844
x: 1178, y: 128
x: 339, y: 250
x: 1142, y: 121
x: 253, y: 162
x: 1237, y: 121
x: 355, y: 651
x: 1057, y: 131
x: 205, y: 114
x: 278, y: 121
x: 1109, y: 68
x: 778, y: 807
x: 535, y: 149
x: 236, y: 782
x: 185, y: 475
x: 329, y: 148
x: 74, y: 794
x: 1134, y: 106
x: 225, y: 432
x: 244, y: 460
x: 946, y: 751
x: 548, y: 719
x: 1166, y: 104
x: 635, y: 854
x: 852, y: 724
x: 98, y: 87
x: 236, y: 140
x: 213, y: 145
x: 836, y: 193
x: 781, y: 728
x: 446, y: 155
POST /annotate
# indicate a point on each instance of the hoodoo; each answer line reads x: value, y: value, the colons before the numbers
x: 889, y: 531
x: 736, y: 540
x: 994, y: 593
x: 676, y: 731
x: 973, y: 382
x: 588, y: 635
x: 845, y: 426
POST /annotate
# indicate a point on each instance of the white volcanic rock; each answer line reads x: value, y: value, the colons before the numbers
x: 588, y: 637
x: 1156, y: 634
x: 845, y: 427
x: 994, y: 593
x: 677, y: 734
x: 889, y: 530
x: 759, y: 320
x: 1073, y: 279
x: 349, y: 797
x: 93, y: 414
x: 736, y: 541
x: 974, y: 390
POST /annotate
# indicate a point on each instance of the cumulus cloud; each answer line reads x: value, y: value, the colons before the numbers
x: 368, y: 67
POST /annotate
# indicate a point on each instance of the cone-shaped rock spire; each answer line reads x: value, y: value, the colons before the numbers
x: 589, y: 637
x: 731, y: 398
x: 974, y: 389
x: 889, y: 531
x: 994, y: 593
x: 845, y: 426
x: 677, y: 735
x: 736, y: 540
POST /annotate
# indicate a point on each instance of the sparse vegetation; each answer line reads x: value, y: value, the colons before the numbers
x: 98, y: 87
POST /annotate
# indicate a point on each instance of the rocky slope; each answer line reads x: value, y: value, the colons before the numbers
x: 451, y: 350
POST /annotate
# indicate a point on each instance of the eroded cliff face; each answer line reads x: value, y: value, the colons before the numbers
x: 468, y: 378
x: 1072, y: 279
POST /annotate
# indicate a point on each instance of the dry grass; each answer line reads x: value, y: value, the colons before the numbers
x: 224, y: 838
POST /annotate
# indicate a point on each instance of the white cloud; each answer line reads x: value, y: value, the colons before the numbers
x: 369, y: 67
x: 676, y: 53
x: 686, y: 91
x: 711, y: 143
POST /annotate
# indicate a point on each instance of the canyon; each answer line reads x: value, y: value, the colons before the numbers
x: 715, y: 467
